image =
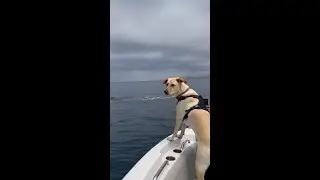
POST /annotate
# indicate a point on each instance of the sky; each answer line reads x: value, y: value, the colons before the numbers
x: 156, y: 39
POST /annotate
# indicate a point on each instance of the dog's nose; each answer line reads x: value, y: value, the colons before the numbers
x: 166, y: 92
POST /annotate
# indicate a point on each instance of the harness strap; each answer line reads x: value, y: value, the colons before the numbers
x: 189, y: 110
x: 200, y: 104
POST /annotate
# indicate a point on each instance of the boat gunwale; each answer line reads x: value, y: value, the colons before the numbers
x: 158, y: 153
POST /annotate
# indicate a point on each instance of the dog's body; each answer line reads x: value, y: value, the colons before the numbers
x: 198, y: 120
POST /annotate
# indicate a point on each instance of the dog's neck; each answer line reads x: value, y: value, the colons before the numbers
x: 185, y: 91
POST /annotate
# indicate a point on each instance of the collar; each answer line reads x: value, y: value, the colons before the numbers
x: 185, y: 97
x: 180, y: 95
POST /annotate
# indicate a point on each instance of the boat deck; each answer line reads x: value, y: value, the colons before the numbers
x: 166, y: 160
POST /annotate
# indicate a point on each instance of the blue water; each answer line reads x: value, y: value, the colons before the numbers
x: 141, y: 116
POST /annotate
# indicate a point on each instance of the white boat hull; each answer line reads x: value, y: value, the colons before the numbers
x: 155, y: 164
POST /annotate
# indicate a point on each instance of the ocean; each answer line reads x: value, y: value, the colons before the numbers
x: 141, y: 116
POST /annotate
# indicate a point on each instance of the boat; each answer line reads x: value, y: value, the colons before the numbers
x: 168, y: 160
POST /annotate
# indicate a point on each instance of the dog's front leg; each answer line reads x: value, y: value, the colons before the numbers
x: 176, y: 129
x: 183, y: 129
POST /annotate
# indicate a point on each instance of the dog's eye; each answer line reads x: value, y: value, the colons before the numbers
x: 172, y: 85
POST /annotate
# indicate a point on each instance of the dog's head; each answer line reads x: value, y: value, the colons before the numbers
x: 174, y: 85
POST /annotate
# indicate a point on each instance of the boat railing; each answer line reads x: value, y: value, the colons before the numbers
x: 155, y: 177
x: 184, y: 143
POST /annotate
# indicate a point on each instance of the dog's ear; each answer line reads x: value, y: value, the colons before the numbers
x: 181, y: 80
x: 165, y: 81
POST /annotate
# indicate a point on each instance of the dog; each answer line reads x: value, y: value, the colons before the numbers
x: 198, y: 119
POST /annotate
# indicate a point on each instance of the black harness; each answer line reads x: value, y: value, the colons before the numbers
x: 200, y: 105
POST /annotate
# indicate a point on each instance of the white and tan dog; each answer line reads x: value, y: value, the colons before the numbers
x: 198, y: 120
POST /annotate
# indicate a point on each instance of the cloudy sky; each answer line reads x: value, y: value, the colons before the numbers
x: 155, y: 39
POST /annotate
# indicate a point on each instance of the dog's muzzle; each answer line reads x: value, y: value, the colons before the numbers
x: 166, y: 92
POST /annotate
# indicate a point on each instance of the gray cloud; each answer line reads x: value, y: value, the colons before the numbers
x: 159, y: 38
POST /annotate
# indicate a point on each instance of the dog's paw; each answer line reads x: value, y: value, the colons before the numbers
x: 170, y: 138
x: 180, y: 136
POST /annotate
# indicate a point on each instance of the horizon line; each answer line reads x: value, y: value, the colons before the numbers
x: 158, y: 79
